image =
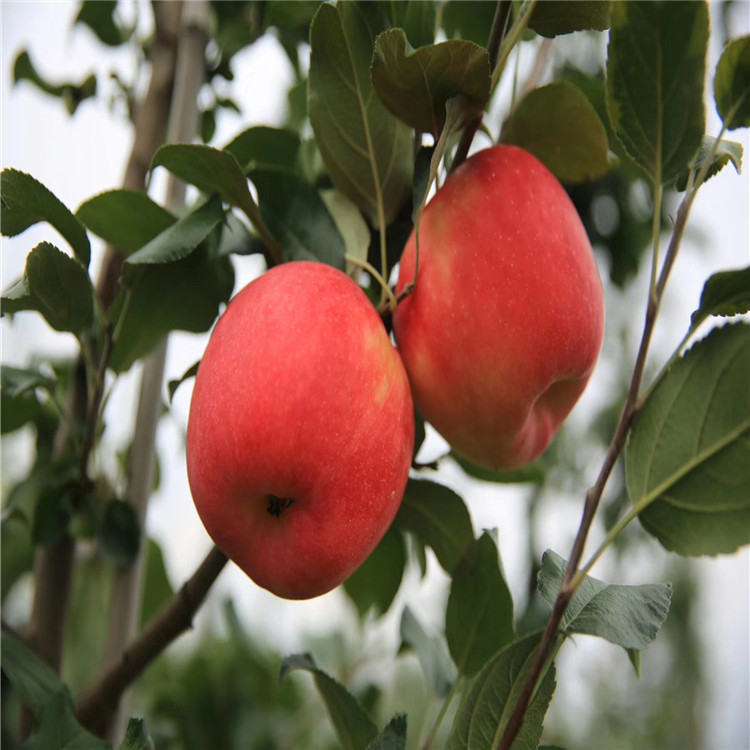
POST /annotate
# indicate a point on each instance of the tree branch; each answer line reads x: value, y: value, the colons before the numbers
x: 126, y: 597
x: 53, y: 563
x: 95, y: 708
x: 594, y: 494
x: 497, y: 33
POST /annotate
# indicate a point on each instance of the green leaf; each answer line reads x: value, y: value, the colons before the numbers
x: 486, y: 707
x: 185, y: 296
x: 173, y: 385
x: 438, y: 517
x: 24, y: 201
x: 558, y: 125
x: 157, y: 588
x: 417, y: 19
x: 415, y: 85
x: 533, y: 473
x: 732, y: 84
x: 42, y: 692
x: 180, y: 239
x: 367, y: 150
x: 119, y: 532
x: 17, y: 381
x: 211, y: 171
x: 98, y: 15
x: 726, y: 293
x: 297, y: 217
x: 355, y: 729
x: 628, y: 616
x: 432, y: 653
x: 393, y: 736
x: 136, y: 736
x: 126, y: 219
x: 687, y: 457
x: 56, y: 286
x: 72, y: 94
x: 725, y: 152
x: 469, y: 19
x: 479, y: 615
x: 265, y: 147
x: 351, y: 225
x: 655, y: 78
x: 552, y: 19
x: 377, y: 580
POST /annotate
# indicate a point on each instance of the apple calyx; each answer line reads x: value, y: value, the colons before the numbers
x: 277, y: 505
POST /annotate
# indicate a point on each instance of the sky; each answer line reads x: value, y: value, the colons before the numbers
x: 81, y: 156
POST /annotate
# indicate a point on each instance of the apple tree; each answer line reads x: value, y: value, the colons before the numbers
x: 392, y: 106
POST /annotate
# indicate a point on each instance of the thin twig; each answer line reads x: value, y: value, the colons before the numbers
x: 497, y: 33
x: 594, y: 494
x: 96, y: 706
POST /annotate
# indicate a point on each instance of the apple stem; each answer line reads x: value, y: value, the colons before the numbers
x: 366, y: 266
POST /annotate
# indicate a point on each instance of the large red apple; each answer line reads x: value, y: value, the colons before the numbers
x: 300, y: 431
x: 506, y: 321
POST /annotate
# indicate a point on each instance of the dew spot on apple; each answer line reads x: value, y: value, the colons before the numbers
x: 277, y: 505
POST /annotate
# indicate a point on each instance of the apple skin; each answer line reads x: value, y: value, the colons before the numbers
x: 505, y: 324
x: 301, y: 397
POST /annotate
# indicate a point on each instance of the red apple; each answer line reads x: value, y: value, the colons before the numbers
x: 506, y: 322
x: 300, y: 431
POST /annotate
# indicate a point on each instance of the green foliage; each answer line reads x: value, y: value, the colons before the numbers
x: 376, y: 582
x: 415, y: 85
x: 298, y: 218
x: 99, y: 16
x: 725, y: 294
x: 24, y: 201
x: 110, y: 216
x: 485, y: 708
x: 365, y: 148
x: 732, y: 84
x: 565, y: 17
x: 688, y: 450
x: 561, y: 128
x: 72, y: 94
x: 184, y: 295
x: 715, y: 154
x: 180, y: 239
x: 655, y: 77
x: 628, y: 616
x: 431, y: 651
x: 136, y: 736
x: 355, y: 729
x: 479, y: 615
x: 56, y: 286
x: 438, y: 518
x: 48, y: 699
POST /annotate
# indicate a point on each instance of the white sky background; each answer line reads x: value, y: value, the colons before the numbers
x: 81, y: 156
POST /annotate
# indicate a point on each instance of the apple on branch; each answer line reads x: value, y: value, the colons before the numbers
x: 300, y: 431
x: 505, y: 324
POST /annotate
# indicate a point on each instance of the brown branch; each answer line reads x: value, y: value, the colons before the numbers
x: 95, y: 707
x: 497, y: 33
x: 149, y: 125
x: 594, y: 494
x: 53, y: 563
